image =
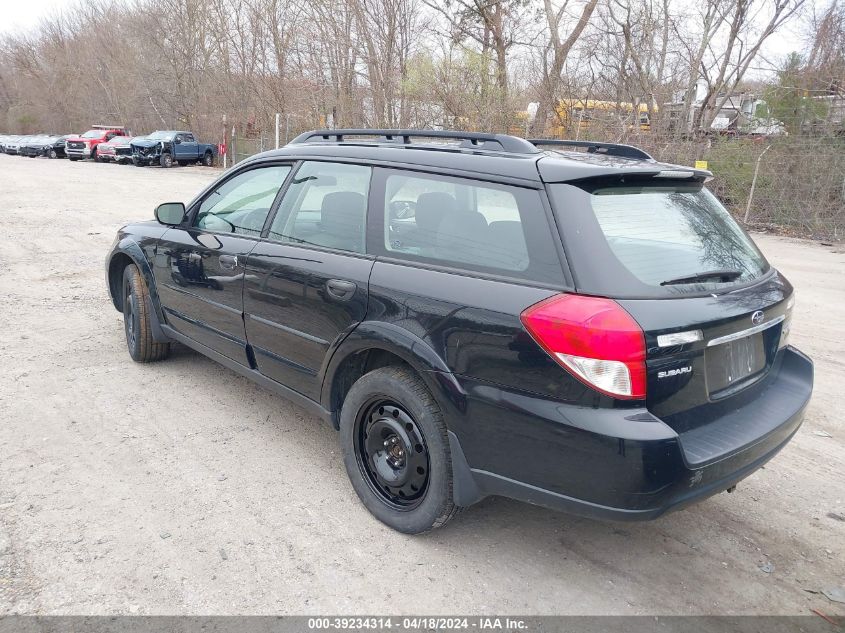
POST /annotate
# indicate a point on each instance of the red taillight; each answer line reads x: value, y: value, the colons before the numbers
x: 594, y: 339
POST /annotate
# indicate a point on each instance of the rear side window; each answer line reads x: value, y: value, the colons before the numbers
x: 678, y: 235
x: 468, y: 224
x: 325, y: 205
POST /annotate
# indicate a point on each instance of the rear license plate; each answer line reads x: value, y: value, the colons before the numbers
x: 733, y: 362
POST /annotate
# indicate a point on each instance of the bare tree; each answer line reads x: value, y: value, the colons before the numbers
x: 387, y: 30
x: 743, y: 41
x: 496, y: 26
x: 555, y: 53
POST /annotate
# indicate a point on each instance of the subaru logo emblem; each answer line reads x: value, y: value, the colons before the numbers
x: 757, y: 317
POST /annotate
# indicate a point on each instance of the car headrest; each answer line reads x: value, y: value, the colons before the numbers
x: 343, y: 212
x: 467, y: 227
x: 432, y: 207
x: 508, y: 233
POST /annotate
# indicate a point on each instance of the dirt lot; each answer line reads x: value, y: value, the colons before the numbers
x: 182, y: 488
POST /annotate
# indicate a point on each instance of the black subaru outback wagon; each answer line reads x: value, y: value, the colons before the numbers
x: 572, y: 324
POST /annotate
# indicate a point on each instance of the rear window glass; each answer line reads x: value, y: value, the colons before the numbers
x: 675, y: 235
x: 469, y: 224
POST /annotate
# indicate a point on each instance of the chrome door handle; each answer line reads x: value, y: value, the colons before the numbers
x: 341, y: 289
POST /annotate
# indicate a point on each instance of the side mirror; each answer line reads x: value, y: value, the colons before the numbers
x: 170, y: 213
x: 178, y: 140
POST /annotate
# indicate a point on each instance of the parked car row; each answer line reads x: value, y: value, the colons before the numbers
x: 49, y: 145
x: 108, y: 143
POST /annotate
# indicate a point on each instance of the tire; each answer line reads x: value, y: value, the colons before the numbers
x: 166, y: 160
x: 73, y: 159
x: 51, y: 153
x: 94, y: 155
x: 390, y: 423
x: 136, y: 319
x: 183, y: 163
x: 208, y: 159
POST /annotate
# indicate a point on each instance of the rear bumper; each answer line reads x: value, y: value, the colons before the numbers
x: 619, y: 464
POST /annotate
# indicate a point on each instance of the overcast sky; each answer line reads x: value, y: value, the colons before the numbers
x: 21, y: 15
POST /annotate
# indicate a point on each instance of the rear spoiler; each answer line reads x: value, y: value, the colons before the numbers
x: 671, y: 173
x: 595, y: 147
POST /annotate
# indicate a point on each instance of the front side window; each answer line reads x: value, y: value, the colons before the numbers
x: 675, y: 235
x: 325, y: 205
x: 469, y: 224
x: 241, y: 203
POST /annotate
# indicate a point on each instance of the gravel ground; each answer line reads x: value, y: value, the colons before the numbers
x: 180, y: 487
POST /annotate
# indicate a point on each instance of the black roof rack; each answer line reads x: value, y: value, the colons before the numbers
x: 471, y: 140
x: 596, y: 147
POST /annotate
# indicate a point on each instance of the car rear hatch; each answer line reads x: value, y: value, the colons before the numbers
x: 706, y: 356
x: 715, y: 315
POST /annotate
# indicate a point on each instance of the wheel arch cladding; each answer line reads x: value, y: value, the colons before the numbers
x: 129, y: 252
x: 117, y: 264
x: 372, y: 345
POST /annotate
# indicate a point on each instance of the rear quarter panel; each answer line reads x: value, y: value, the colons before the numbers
x: 473, y: 324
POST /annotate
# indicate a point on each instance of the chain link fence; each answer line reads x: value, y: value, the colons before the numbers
x: 799, y: 186
x: 800, y: 180
x: 241, y: 148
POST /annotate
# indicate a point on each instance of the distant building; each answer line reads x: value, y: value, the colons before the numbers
x: 742, y: 113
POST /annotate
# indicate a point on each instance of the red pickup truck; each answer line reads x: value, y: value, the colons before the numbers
x: 85, y: 145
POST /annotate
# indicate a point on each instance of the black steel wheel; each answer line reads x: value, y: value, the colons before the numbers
x: 396, y: 450
x: 392, y: 454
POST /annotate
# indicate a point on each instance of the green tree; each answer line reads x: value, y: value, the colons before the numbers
x: 790, y: 100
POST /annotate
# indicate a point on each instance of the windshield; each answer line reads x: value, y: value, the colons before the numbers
x: 675, y: 235
x: 93, y: 134
x: 119, y: 140
x: 161, y: 136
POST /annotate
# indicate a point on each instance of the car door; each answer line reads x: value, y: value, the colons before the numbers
x: 186, y: 149
x: 306, y: 284
x: 199, y: 267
